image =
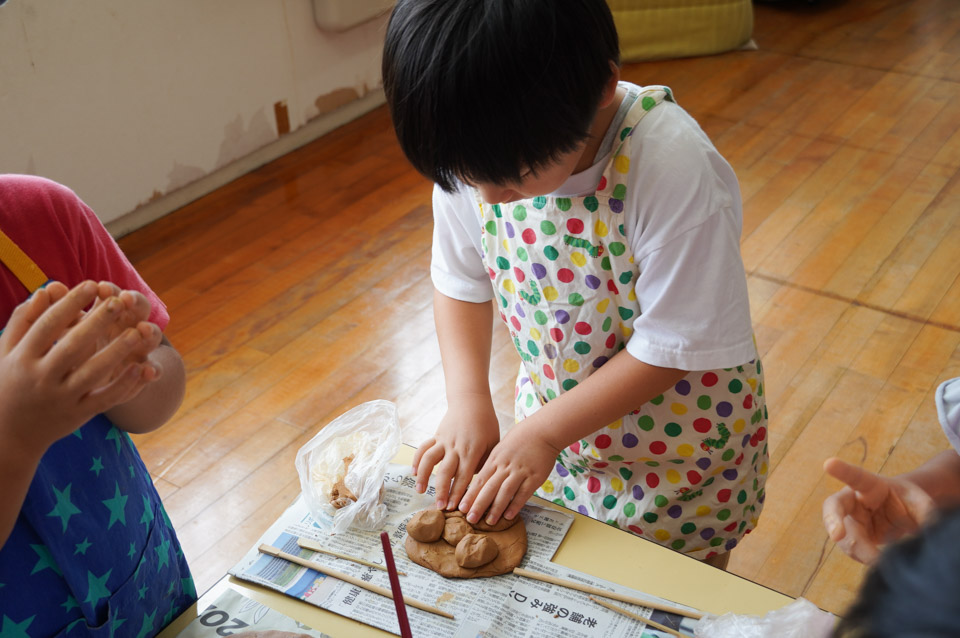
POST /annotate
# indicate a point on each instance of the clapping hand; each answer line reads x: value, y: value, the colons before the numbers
x: 60, y: 366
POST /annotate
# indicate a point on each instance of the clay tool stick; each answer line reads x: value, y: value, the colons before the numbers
x: 270, y: 550
x: 646, y: 621
x: 314, y: 546
x: 596, y: 591
x: 395, y: 587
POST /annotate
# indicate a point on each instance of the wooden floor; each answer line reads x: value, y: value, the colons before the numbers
x: 302, y: 289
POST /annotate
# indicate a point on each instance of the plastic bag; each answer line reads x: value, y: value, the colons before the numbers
x: 799, y: 619
x: 370, y: 434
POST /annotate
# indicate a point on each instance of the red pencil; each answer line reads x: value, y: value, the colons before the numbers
x: 395, y: 587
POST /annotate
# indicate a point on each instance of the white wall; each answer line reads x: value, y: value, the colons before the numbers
x: 127, y: 102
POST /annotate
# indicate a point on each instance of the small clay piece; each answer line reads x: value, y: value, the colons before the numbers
x: 483, y: 526
x: 462, y: 550
x: 426, y: 526
x: 456, y: 528
x: 475, y: 550
x: 340, y: 494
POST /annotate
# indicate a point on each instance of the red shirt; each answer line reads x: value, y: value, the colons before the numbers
x: 65, y: 239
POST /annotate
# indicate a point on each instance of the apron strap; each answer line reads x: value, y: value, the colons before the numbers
x: 20, y: 264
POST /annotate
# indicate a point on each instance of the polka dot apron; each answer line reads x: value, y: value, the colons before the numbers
x: 687, y: 469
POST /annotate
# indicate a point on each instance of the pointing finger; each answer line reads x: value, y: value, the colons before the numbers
x: 857, y: 478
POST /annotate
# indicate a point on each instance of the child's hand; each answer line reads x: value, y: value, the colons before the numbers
x: 135, y: 311
x: 54, y: 376
x: 464, y: 438
x: 515, y: 469
x: 871, y: 510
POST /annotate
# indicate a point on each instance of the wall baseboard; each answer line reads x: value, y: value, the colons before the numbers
x: 310, y: 131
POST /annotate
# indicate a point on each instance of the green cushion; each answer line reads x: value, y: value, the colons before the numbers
x: 654, y: 29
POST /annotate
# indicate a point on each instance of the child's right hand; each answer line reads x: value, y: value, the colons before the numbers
x: 466, y: 435
x: 58, y: 368
x: 871, y: 510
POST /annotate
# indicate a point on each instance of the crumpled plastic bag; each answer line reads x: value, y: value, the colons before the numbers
x: 370, y: 433
x: 799, y: 619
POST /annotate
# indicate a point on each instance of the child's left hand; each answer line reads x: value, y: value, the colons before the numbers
x: 516, y: 467
x: 136, y: 309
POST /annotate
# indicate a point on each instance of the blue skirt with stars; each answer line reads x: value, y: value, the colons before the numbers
x: 92, y: 552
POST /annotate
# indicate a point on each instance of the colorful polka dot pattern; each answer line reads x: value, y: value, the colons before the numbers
x: 688, y: 468
x: 692, y: 481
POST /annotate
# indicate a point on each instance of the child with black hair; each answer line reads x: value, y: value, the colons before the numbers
x: 912, y: 589
x: 609, y: 227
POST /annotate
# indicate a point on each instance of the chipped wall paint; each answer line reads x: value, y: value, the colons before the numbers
x: 127, y: 102
x: 335, y: 99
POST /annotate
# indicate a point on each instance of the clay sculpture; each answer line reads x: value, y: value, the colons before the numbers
x: 449, y: 545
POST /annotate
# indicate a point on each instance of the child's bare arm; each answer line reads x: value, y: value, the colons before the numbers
x: 158, y: 400
x: 54, y: 377
x: 523, y: 460
x: 940, y: 478
x: 470, y: 429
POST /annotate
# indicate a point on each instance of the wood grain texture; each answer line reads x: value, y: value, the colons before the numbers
x: 302, y: 289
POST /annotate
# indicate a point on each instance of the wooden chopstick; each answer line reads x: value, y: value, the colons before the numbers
x: 314, y: 546
x: 395, y: 587
x: 589, y: 589
x: 645, y: 621
x: 278, y: 553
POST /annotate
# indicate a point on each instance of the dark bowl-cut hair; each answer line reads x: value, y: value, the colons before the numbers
x: 913, y: 590
x: 482, y: 90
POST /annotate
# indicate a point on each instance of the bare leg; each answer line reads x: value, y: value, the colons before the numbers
x: 719, y: 561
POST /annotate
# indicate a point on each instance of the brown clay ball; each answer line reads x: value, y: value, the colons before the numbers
x: 456, y: 528
x: 426, y: 526
x: 475, y: 550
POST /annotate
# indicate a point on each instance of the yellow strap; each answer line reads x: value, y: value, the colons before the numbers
x: 20, y: 265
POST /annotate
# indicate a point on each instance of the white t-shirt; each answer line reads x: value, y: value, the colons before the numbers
x: 683, y: 219
x: 948, y: 409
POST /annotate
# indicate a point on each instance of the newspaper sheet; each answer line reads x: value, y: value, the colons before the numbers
x: 232, y: 613
x: 542, y: 609
x: 506, y: 605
